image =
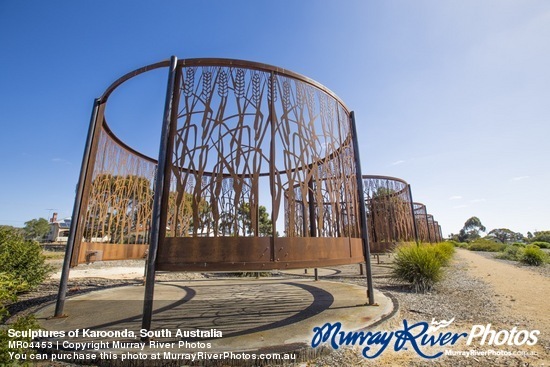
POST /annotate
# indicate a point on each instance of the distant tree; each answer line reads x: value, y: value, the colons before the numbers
x: 453, y: 237
x: 529, y: 236
x: 266, y: 225
x: 264, y: 222
x: 505, y: 235
x: 36, y: 229
x: 471, y: 230
x: 541, y: 236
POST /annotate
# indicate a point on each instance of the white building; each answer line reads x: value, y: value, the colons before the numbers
x: 59, y: 229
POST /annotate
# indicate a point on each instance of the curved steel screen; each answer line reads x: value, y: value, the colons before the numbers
x: 389, y: 212
x: 261, y: 175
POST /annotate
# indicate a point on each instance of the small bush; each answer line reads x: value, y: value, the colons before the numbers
x: 418, y: 265
x: 533, y: 255
x: 22, y: 323
x: 22, y: 267
x: 541, y: 244
x: 518, y: 244
x: 22, y: 259
x: 457, y: 244
x: 482, y: 244
x: 512, y: 252
x: 444, y: 252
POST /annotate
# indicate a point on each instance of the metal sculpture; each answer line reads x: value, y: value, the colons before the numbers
x: 389, y: 212
x: 428, y: 230
x: 241, y: 143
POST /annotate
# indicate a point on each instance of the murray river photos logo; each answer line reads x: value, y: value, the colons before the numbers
x: 420, y: 337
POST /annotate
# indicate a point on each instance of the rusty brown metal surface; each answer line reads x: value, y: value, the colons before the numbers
x: 254, y: 150
x: 428, y: 229
x: 118, y: 198
x: 389, y: 213
x: 253, y: 253
x: 110, y: 251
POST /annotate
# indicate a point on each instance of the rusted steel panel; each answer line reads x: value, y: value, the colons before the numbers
x: 111, y: 251
x: 254, y: 150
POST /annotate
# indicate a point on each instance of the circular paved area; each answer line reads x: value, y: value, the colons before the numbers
x: 252, y: 314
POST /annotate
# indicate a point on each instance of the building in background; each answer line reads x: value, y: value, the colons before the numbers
x: 59, y: 229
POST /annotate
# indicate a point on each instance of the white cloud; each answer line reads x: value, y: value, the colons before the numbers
x: 477, y: 200
x: 455, y: 197
x: 60, y: 160
x: 397, y: 162
x: 519, y: 178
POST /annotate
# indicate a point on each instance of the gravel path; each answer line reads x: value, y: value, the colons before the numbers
x: 520, y: 291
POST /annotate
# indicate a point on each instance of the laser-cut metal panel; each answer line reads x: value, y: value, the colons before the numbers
x: 250, y: 136
x: 119, y: 202
x: 389, y: 212
x: 421, y: 222
x: 434, y: 229
x: 254, y: 150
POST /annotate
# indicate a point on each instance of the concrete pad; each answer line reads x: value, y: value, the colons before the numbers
x: 251, y: 314
x: 123, y: 272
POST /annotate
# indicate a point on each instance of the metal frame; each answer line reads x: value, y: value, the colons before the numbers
x: 389, y: 212
x: 302, y: 142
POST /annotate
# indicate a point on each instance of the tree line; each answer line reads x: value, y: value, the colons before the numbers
x: 473, y: 228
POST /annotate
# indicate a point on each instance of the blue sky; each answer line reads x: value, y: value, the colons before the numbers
x: 452, y: 96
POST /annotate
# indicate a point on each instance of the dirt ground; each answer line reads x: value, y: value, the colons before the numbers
x: 520, y: 291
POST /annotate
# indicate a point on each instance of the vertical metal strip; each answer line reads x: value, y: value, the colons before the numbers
x: 75, y: 220
x: 169, y: 153
x: 272, y: 167
x: 393, y: 222
x: 362, y: 210
x: 428, y: 227
x: 311, y: 208
x: 413, y: 216
x: 158, y: 198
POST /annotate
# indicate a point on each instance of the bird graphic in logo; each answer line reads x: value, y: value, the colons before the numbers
x: 439, y: 325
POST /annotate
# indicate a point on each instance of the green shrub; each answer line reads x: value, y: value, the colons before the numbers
x: 22, y: 267
x: 22, y: 323
x: 533, y: 255
x: 482, y: 244
x: 444, y: 252
x: 541, y: 244
x: 457, y: 244
x: 519, y: 244
x: 418, y: 265
x: 511, y: 252
x: 9, y: 287
x: 22, y: 259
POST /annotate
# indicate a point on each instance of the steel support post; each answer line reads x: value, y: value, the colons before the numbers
x: 428, y: 227
x: 75, y: 219
x: 158, y: 197
x: 362, y: 209
x: 413, y: 216
x: 311, y: 209
x: 272, y: 166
